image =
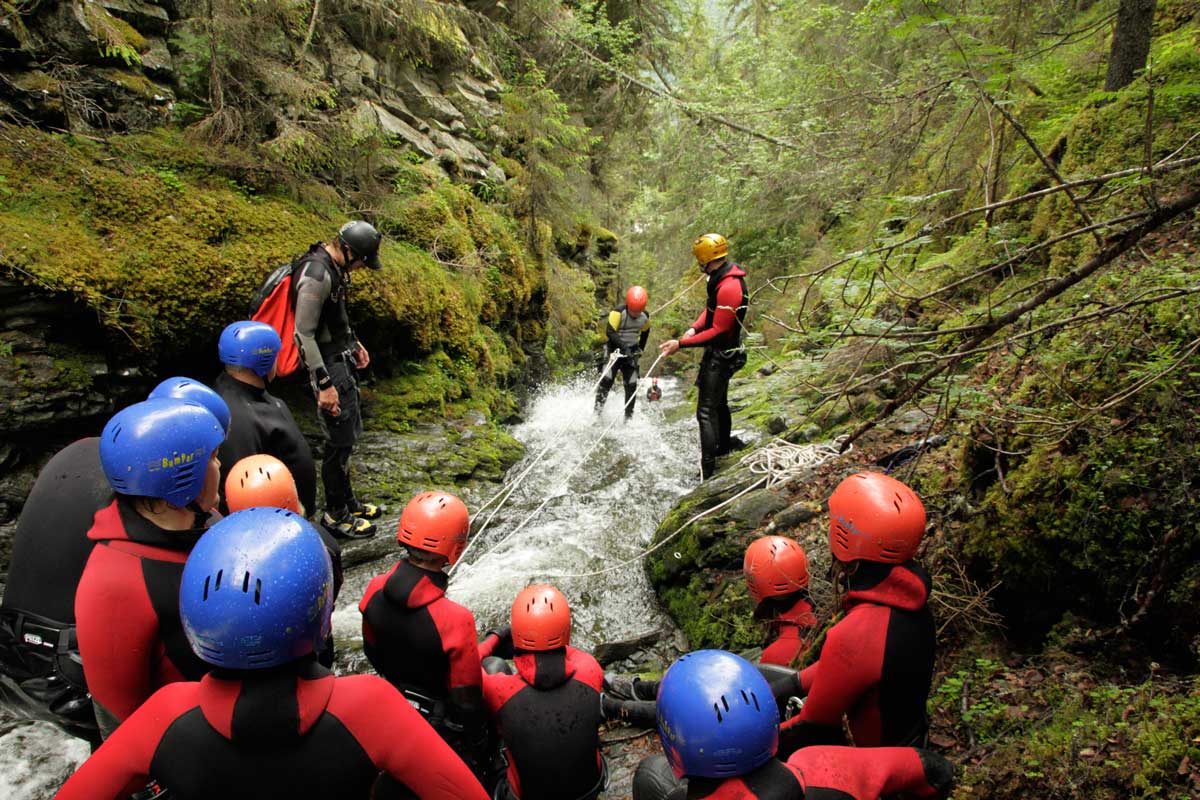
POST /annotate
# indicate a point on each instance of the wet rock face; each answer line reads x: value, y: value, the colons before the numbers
x: 95, y: 65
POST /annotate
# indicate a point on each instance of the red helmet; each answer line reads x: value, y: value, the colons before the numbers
x: 261, y: 480
x: 774, y: 565
x: 541, y: 619
x: 635, y: 300
x: 876, y: 518
x: 437, y: 522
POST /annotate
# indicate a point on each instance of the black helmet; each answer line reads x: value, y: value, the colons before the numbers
x: 363, y: 240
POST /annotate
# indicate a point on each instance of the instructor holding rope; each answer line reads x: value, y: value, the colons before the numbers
x: 718, y: 331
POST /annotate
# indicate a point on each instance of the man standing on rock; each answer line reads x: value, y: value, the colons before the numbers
x: 332, y: 354
x: 718, y: 330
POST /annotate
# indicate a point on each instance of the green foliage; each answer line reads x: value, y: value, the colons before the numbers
x: 550, y: 147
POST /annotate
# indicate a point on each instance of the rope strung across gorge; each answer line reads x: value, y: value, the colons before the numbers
x: 566, y: 479
x: 777, y: 463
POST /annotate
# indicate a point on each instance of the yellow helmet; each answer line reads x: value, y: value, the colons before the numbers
x: 710, y: 247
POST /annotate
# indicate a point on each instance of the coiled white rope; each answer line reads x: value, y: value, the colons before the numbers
x: 782, y: 461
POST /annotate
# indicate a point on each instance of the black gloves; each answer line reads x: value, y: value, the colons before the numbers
x: 504, y: 648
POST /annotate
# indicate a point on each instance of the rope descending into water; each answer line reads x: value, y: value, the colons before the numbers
x: 778, y: 462
x: 566, y: 480
x: 782, y: 461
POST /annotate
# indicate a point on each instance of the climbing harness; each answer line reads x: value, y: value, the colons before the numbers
x: 781, y: 461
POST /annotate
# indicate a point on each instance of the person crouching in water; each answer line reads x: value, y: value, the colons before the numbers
x: 160, y: 456
x: 720, y: 735
x: 268, y: 721
x: 876, y: 665
x: 419, y: 640
x: 549, y: 712
x: 776, y: 572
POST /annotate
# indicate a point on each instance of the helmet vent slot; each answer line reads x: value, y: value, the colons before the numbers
x: 245, y: 582
x: 206, y: 580
x: 717, y: 709
x: 217, y: 585
x: 258, y: 591
x: 725, y: 703
x: 745, y: 699
x: 754, y: 697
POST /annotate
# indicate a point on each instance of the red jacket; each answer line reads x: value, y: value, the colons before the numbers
x: 294, y: 732
x: 718, y: 325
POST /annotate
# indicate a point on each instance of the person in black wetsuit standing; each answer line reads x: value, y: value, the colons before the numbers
x: 332, y: 353
x: 626, y: 330
x: 268, y: 721
x: 718, y: 330
x: 41, y: 674
x: 549, y: 712
x: 260, y: 422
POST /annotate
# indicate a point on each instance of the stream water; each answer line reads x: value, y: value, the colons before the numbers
x: 608, y: 481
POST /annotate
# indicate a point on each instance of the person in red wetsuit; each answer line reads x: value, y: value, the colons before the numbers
x: 776, y: 572
x: 268, y: 721
x: 718, y: 330
x: 160, y: 456
x: 719, y: 732
x: 41, y: 674
x: 419, y: 640
x: 549, y: 712
x: 876, y: 665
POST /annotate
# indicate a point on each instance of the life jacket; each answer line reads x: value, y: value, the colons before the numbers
x: 627, y: 328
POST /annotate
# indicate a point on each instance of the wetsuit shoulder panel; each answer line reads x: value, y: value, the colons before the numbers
x: 456, y: 627
x: 117, y: 630
x: 122, y: 764
x: 376, y: 714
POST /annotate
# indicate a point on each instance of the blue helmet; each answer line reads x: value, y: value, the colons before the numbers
x: 160, y: 448
x: 257, y: 590
x: 190, y: 391
x: 716, y: 715
x: 249, y: 344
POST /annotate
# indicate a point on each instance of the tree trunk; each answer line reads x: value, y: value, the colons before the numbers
x: 1131, y: 43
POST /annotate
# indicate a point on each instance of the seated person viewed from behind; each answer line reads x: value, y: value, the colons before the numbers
x: 268, y: 721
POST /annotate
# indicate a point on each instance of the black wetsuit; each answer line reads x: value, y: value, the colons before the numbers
x: 262, y: 423
x: 424, y: 644
x: 40, y: 670
x: 549, y: 718
x: 293, y: 732
x: 327, y: 343
x: 719, y: 331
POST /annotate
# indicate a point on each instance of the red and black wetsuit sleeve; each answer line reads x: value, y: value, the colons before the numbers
x: 131, y: 640
x: 851, y: 773
x: 373, y: 712
x: 551, y: 725
x: 122, y: 764
x: 721, y: 320
x: 790, y: 635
